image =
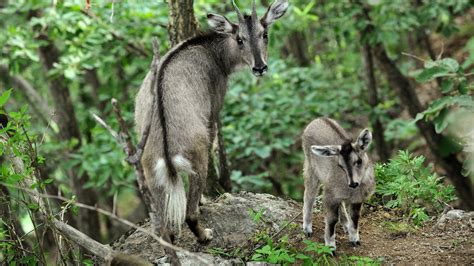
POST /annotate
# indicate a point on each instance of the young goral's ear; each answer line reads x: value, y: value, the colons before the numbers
x: 274, y: 12
x: 364, y: 139
x: 326, y: 151
x: 220, y: 24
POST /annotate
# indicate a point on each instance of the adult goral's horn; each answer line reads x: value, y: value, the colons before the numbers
x: 254, y: 11
x: 239, y: 15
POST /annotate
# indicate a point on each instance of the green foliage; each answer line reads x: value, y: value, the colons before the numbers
x: 455, y: 87
x: 285, y: 250
x: 256, y: 216
x: 263, y: 120
x: 407, y: 184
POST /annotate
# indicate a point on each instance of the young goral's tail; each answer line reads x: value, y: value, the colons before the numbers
x: 175, y: 199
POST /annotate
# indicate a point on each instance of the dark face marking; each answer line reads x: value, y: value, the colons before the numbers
x: 252, y: 40
x: 348, y: 154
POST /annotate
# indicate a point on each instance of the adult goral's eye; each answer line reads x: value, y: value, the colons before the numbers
x: 358, y: 162
x: 265, y: 35
x: 240, y: 41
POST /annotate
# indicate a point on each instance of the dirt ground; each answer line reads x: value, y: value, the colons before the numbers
x: 452, y: 244
x: 384, y: 234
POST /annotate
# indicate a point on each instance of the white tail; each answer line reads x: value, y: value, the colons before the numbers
x: 175, y: 199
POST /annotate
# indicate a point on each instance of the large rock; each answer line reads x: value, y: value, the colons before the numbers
x: 455, y: 220
x: 233, y: 227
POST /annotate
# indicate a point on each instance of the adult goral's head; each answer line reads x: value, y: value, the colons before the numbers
x: 250, y: 33
x: 352, y: 158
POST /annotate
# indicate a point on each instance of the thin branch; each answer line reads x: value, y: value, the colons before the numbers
x: 113, y: 11
x: 442, y: 51
x: 414, y: 56
x: 88, y: 244
x: 103, y: 124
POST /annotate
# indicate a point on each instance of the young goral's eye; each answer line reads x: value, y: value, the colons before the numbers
x: 265, y: 35
x: 358, y: 162
x: 240, y: 41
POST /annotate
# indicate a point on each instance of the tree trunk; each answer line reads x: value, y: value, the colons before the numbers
x: 182, y: 23
x: 381, y: 146
x: 296, y: 46
x: 87, y: 221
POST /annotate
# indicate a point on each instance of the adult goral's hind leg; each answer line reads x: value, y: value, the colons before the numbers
x: 197, y: 183
x: 310, y: 193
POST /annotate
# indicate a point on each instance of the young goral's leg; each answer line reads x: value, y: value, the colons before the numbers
x: 310, y: 192
x: 332, y: 213
x: 348, y: 224
x: 354, y: 232
x: 344, y: 219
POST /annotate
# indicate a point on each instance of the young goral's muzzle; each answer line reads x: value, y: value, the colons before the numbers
x: 349, y: 176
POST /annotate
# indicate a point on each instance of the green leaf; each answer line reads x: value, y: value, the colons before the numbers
x: 447, y: 85
x: 430, y: 64
x: 4, y: 97
x: 33, y: 206
x: 450, y: 64
x: 441, y: 122
x: 430, y: 74
x: 462, y: 88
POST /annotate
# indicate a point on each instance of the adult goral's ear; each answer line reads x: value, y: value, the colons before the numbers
x: 220, y: 24
x: 274, y: 12
x: 326, y: 151
x: 364, y: 139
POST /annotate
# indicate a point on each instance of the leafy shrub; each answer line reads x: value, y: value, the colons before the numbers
x: 412, y: 187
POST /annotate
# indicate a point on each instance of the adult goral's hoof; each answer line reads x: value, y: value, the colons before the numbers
x: 308, y: 230
x: 355, y: 243
x: 208, y: 235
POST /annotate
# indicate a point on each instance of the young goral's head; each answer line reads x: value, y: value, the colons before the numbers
x: 251, y: 33
x: 352, y: 158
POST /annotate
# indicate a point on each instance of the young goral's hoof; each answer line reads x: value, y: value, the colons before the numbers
x: 208, y: 235
x: 355, y: 243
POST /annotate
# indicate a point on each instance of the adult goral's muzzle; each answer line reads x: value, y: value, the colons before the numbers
x: 259, y: 70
